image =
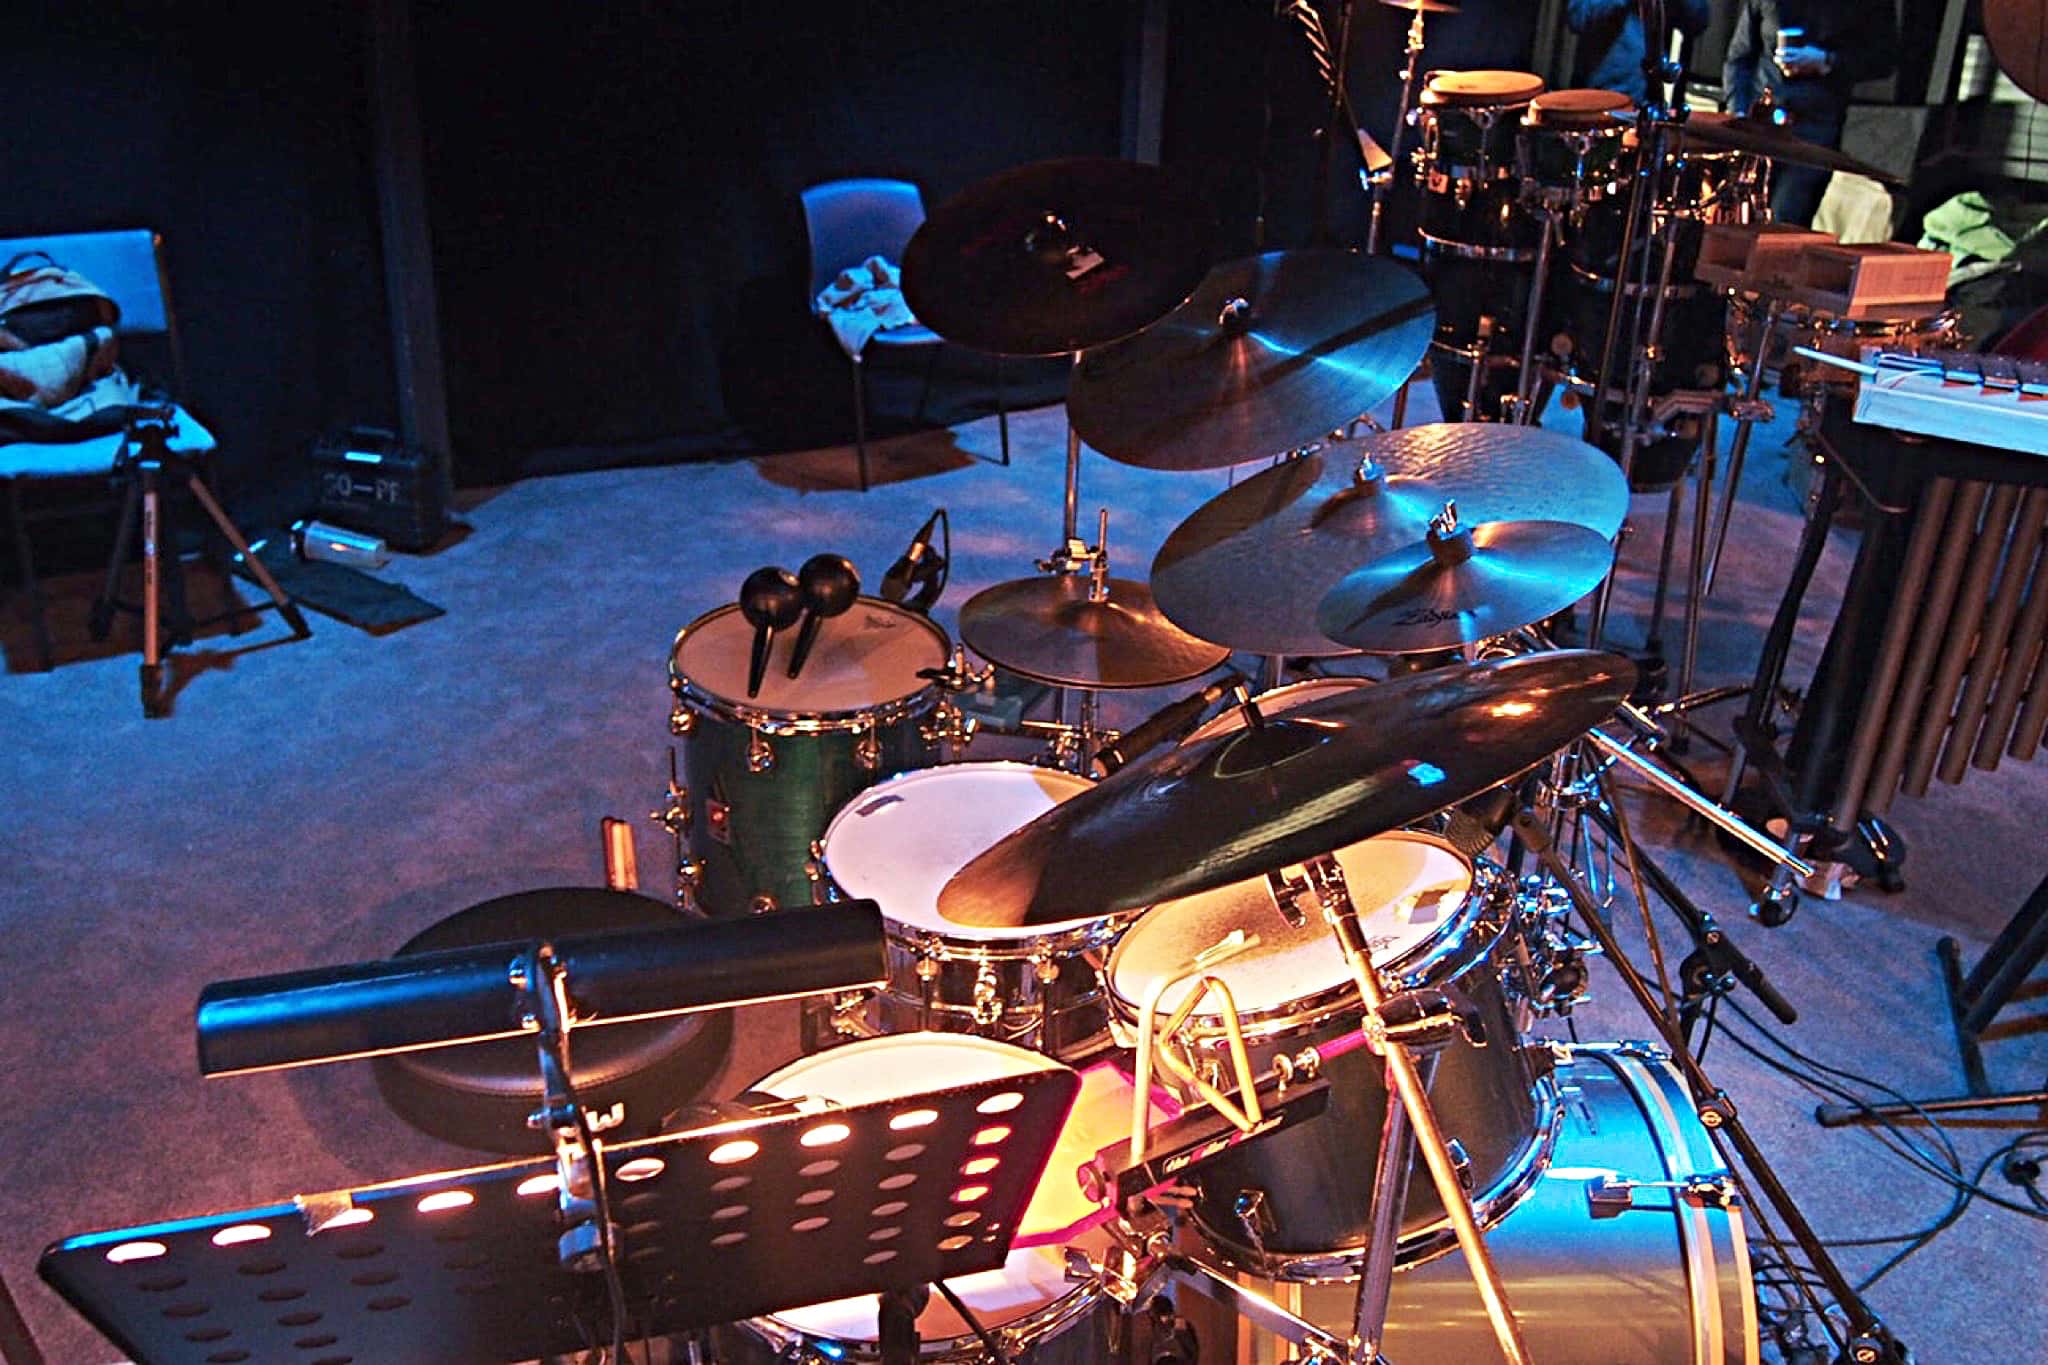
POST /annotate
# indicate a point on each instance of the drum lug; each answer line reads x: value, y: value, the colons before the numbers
x: 822, y: 890
x: 929, y: 951
x: 1045, y: 969
x: 762, y: 904
x: 988, y: 1004
x: 760, y: 757
x: 1461, y: 1162
x: 675, y: 815
x: 949, y: 725
x: 1253, y: 1216
x: 867, y: 750
x: 689, y: 881
x: 682, y: 721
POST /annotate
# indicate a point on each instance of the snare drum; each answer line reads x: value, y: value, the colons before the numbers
x: 1029, y: 1306
x: 764, y: 773
x: 1910, y: 332
x: 900, y: 842
x: 1296, y: 1205
x: 1574, y: 148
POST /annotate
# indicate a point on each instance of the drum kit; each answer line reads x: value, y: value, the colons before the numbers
x: 1304, y: 889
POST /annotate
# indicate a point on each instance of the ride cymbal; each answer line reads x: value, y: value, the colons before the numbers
x: 1470, y: 585
x: 1269, y: 353
x: 1775, y: 142
x: 1315, y: 778
x: 1057, y: 256
x: 1053, y: 629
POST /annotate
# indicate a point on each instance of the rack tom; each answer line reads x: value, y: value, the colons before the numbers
x: 900, y: 842
x: 763, y: 774
x: 1296, y: 1205
x: 1574, y: 148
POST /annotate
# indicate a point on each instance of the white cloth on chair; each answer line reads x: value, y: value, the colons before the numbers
x: 863, y: 301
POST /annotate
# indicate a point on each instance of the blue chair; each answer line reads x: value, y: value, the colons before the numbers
x: 848, y: 221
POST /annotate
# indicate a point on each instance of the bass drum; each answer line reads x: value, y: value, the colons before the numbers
x: 1029, y: 1306
x: 1665, y: 1281
x: 763, y: 774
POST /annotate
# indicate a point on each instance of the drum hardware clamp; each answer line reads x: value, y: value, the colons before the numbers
x: 1609, y: 1195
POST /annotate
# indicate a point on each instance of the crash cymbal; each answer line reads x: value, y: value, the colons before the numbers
x: 1057, y: 256
x: 1250, y: 566
x: 1706, y: 128
x: 1318, y: 777
x: 1052, y: 629
x: 1472, y: 584
x: 1270, y: 352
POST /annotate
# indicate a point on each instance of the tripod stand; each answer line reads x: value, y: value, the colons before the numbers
x: 145, y: 459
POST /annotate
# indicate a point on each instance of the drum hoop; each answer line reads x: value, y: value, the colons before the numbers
x: 1432, y: 1241
x: 1040, y: 1324
x: 921, y: 939
x: 1470, y: 251
x: 1463, y: 946
x: 772, y: 722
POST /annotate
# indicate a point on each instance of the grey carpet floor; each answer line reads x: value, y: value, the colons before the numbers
x: 318, y: 802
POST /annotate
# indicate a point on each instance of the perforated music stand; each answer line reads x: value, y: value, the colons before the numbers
x: 713, y: 1225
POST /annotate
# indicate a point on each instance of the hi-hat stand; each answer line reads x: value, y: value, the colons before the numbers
x: 146, y: 458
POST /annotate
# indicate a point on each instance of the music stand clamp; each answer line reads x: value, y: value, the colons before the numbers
x: 802, y: 1204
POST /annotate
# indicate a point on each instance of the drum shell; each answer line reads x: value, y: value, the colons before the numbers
x: 1466, y: 288
x: 1846, y: 337
x: 750, y: 824
x: 1314, y: 1180
x: 1572, y: 167
x: 949, y: 979
x: 1662, y: 1283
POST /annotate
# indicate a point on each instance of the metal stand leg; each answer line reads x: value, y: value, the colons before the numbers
x: 286, y: 608
x: 1389, y: 1202
x: 102, y: 618
x: 152, y: 643
x: 1525, y: 385
x: 24, y: 558
x: 860, y: 421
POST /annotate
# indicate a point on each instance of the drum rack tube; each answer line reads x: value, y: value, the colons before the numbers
x: 1972, y: 599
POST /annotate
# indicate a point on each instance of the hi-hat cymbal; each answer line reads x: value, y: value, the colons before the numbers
x: 1250, y: 566
x: 1269, y: 353
x: 1052, y: 629
x: 1057, y: 256
x: 1476, y: 583
x: 1776, y: 142
x: 1316, y: 778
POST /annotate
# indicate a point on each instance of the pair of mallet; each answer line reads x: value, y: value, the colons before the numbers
x: 772, y: 599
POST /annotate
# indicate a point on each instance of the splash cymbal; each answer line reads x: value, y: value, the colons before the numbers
x: 1053, y: 629
x: 1269, y: 353
x: 1057, y: 256
x: 1316, y: 778
x: 1776, y: 142
x: 1470, y: 585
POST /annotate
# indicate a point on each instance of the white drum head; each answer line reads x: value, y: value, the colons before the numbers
x: 865, y: 657
x: 899, y: 842
x: 1408, y: 888
x: 1273, y: 702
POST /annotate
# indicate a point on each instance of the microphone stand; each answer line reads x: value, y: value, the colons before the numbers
x: 1869, y: 1341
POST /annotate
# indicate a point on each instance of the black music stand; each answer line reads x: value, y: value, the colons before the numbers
x: 1974, y: 1002
x: 715, y: 1224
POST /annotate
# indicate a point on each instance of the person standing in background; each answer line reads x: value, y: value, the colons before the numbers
x: 1808, y: 54
x: 1611, y: 40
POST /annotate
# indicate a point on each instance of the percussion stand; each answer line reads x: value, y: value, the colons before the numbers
x: 1383, y: 183
x: 1868, y: 1340
x: 1524, y: 399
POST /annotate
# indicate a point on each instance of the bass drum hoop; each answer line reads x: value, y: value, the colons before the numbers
x: 773, y: 722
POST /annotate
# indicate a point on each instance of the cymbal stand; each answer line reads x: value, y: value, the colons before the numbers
x: 1747, y: 412
x: 1074, y: 745
x: 1383, y: 182
x: 1524, y: 400
x: 1868, y: 1341
x: 1324, y: 881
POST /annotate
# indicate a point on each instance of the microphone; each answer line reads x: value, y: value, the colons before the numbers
x: 770, y: 600
x: 911, y: 567
x: 829, y: 584
x: 1169, y: 722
